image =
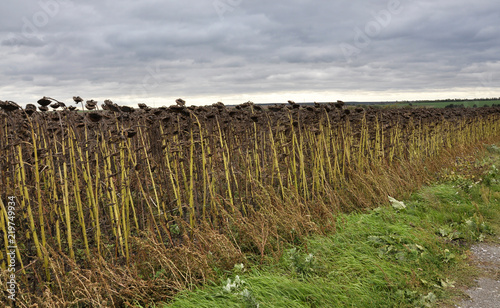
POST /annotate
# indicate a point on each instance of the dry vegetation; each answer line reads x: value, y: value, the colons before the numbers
x: 126, y: 206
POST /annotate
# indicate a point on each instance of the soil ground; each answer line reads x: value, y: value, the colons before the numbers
x: 486, y: 294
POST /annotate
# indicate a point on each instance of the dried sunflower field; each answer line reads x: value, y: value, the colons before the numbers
x: 131, y: 205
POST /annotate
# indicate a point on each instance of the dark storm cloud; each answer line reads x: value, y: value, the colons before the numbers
x: 140, y: 50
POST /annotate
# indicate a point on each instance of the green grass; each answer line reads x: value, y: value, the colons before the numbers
x: 414, y: 257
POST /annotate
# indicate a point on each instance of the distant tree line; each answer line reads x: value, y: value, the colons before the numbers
x: 458, y: 100
x: 473, y: 106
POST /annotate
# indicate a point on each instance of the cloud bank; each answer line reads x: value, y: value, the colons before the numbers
x: 238, y: 50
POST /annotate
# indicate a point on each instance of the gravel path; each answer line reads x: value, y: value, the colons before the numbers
x: 487, y: 293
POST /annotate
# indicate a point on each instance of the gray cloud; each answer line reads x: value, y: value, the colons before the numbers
x: 233, y: 49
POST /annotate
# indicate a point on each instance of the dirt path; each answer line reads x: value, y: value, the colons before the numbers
x: 487, y: 293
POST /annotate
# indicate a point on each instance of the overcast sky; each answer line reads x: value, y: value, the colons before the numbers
x: 233, y: 51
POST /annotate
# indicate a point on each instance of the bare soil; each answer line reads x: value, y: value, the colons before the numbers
x: 486, y: 294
